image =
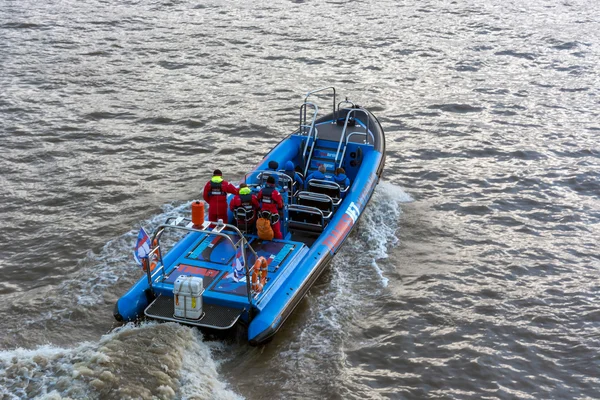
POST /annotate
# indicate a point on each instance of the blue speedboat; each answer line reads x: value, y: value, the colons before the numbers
x: 218, y: 276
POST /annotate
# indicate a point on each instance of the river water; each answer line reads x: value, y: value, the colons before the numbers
x: 474, y: 273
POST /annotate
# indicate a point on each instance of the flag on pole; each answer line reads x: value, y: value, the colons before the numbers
x: 142, y: 246
x: 238, y: 270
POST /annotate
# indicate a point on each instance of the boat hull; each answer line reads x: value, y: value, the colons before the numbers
x: 274, y: 314
x: 295, y: 263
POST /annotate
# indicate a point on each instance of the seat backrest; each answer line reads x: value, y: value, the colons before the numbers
x: 331, y: 189
x: 317, y: 200
x: 273, y: 217
x: 308, y: 220
x: 281, y: 178
x: 241, y: 214
x: 304, y: 215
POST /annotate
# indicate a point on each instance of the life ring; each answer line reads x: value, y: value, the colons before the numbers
x: 259, y: 274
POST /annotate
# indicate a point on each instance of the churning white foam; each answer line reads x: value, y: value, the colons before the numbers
x: 380, y: 222
x: 115, y: 260
x: 97, y: 273
x: 149, y: 361
x: 356, y: 277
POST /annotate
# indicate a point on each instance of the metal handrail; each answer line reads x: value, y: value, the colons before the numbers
x: 323, y: 183
x: 348, y: 139
x: 345, y: 102
x: 343, y: 136
x: 309, y: 209
x: 301, y: 207
x: 303, y: 124
x: 281, y: 176
x: 363, y: 134
x: 320, y: 90
x: 161, y: 228
x: 312, y: 131
x: 312, y: 148
x: 152, y: 274
x: 304, y: 128
x: 317, y: 196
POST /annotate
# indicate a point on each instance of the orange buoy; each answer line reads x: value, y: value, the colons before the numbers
x: 198, y: 213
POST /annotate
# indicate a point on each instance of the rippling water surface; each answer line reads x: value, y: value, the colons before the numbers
x: 473, y: 274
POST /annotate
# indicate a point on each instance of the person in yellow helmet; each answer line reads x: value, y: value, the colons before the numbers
x: 245, y: 204
x: 215, y: 194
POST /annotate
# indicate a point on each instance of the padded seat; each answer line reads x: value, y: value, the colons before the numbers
x: 282, y: 179
x: 317, y: 200
x: 331, y: 189
x: 292, y: 186
x: 245, y: 219
x: 305, y: 219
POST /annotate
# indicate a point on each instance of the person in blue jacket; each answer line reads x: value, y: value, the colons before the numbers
x: 272, y: 166
x: 291, y: 172
x: 341, y: 179
x: 319, y: 174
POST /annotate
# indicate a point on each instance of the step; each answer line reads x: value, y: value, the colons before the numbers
x: 327, y: 144
x: 320, y: 160
x: 324, y: 153
x: 215, y: 316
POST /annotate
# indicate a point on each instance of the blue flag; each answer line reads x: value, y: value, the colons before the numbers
x: 142, y: 246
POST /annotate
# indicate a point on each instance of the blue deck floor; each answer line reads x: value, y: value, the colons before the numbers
x: 213, y: 258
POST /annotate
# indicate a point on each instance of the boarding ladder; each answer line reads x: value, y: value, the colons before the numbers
x: 309, y: 129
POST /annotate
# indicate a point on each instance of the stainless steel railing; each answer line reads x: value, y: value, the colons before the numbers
x: 241, y: 243
x: 343, y: 139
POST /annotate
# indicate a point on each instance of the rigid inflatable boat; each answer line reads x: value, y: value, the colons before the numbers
x: 218, y: 277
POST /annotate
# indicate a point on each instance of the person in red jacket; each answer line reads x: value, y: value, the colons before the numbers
x: 215, y: 194
x: 272, y: 202
x: 248, y: 202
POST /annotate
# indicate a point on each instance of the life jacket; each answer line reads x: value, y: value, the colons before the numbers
x: 216, y: 189
x: 246, y: 200
x: 267, y: 193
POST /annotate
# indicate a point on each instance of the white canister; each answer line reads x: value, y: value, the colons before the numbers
x: 187, y: 296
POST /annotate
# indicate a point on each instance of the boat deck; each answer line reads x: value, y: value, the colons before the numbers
x: 333, y: 132
x: 213, y: 258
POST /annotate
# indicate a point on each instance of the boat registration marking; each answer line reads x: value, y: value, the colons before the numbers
x: 351, y: 214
